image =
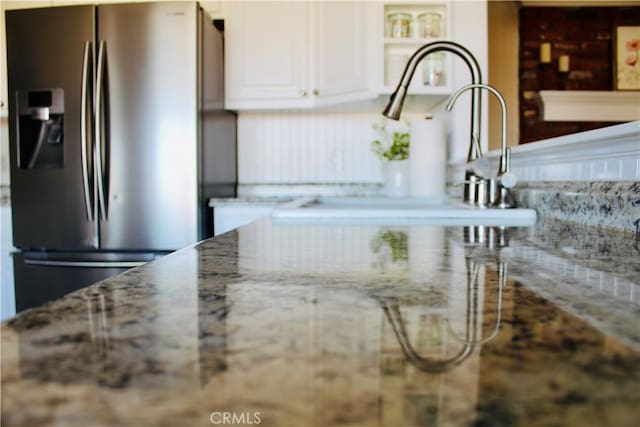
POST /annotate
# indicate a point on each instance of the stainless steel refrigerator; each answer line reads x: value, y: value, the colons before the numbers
x: 117, y: 139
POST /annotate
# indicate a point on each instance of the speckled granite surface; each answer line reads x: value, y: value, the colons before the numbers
x: 310, y: 189
x: 601, y: 204
x: 249, y: 201
x: 315, y: 325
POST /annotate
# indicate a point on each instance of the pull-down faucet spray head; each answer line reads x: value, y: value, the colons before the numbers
x: 394, y: 107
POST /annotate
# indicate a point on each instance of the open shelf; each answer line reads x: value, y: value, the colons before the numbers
x: 412, y: 41
x: 433, y: 74
x: 590, y: 106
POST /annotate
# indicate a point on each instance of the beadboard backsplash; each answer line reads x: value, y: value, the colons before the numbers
x: 308, y: 147
x: 305, y: 148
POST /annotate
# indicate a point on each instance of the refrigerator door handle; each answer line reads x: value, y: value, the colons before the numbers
x: 83, y: 130
x: 86, y: 264
x: 99, y: 121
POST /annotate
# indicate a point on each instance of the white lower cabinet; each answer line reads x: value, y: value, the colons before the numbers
x: 7, y: 290
x: 283, y: 55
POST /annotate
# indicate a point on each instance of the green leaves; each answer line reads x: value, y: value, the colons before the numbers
x: 394, y: 146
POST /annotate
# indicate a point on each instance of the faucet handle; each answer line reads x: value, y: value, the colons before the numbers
x: 508, y: 180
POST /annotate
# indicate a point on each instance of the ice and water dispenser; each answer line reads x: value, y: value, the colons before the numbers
x: 40, y: 129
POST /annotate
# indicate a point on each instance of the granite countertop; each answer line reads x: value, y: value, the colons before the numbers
x: 248, y: 201
x: 350, y: 325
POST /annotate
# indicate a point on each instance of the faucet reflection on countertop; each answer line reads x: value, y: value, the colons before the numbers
x: 479, y: 255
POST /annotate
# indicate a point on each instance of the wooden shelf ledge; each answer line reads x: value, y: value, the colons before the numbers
x: 590, y: 106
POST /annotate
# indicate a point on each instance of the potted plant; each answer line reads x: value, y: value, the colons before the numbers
x: 392, y: 147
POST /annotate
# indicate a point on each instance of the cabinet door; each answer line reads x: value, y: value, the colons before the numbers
x: 340, y: 52
x: 267, y: 55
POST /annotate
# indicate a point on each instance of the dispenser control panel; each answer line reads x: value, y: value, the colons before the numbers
x: 41, y: 128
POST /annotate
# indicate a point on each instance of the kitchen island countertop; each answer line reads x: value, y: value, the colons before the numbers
x: 350, y: 325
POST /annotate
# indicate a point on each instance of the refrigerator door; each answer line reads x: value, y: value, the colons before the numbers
x: 49, y: 66
x: 41, y: 277
x: 147, y: 136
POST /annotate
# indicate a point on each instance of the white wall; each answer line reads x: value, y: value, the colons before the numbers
x: 503, y: 69
x: 470, y: 30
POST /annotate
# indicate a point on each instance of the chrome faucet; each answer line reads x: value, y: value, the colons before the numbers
x: 493, y: 191
x: 394, y: 107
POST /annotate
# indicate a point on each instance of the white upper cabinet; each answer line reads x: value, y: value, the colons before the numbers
x: 282, y: 55
x: 267, y: 55
x: 340, y: 52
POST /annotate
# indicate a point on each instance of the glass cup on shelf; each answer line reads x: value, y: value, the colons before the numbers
x: 398, y: 25
x: 430, y: 24
x: 433, y: 70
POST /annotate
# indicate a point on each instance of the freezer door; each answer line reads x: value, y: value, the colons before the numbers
x: 41, y: 277
x: 48, y: 53
x: 148, y: 139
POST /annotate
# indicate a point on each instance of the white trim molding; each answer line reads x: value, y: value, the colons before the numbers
x: 606, y: 154
x: 590, y: 106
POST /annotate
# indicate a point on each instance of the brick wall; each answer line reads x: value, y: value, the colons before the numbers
x: 586, y: 34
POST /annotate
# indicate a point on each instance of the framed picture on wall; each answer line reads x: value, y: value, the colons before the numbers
x: 627, y: 58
